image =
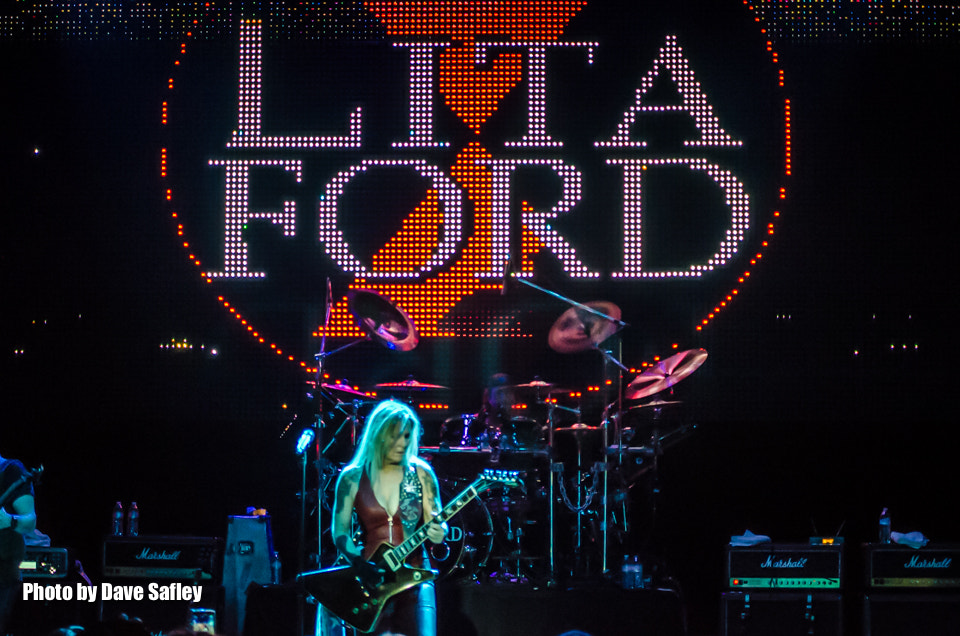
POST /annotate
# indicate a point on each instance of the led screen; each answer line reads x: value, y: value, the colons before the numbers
x: 479, y: 168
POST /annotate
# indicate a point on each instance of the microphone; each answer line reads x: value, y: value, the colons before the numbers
x: 306, y: 438
x: 507, y: 273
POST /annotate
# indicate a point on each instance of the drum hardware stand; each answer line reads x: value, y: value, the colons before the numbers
x: 611, y: 359
x: 552, y: 577
x: 317, y: 439
x: 605, y: 421
x: 351, y: 418
x: 590, y: 334
x: 585, y: 497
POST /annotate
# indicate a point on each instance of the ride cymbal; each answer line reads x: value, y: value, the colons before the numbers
x: 409, y: 385
x: 343, y: 388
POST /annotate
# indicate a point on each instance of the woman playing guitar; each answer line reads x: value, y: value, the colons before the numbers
x: 393, y: 492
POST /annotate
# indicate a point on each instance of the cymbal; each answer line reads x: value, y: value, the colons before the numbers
x: 578, y: 428
x: 535, y: 384
x: 382, y: 320
x: 656, y: 403
x: 579, y: 330
x: 409, y: 385
x: 665, y: 373
x: 343, y: 388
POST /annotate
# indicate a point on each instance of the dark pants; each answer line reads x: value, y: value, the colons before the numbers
x: 411, y: 613
x: 9, y: 590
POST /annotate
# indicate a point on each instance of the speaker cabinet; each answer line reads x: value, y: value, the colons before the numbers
x: 782, y: 614
x: 157, y: 615
x: 911, y: 613
x: 246, y: 561
x: 599, y: 610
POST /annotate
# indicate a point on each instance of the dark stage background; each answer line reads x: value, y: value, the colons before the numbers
x: 826, y: 395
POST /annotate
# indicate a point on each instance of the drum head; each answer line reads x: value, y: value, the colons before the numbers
x: 469, y: 540
x: 523, y: 434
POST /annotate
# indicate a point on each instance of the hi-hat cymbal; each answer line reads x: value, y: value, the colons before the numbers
x: 665, y: 373
x: 580, y: 330
x: 382, y: 320
x: 656, y: 403
x: 534, y: 384
x: 409, y: 385
x: 578, y: 428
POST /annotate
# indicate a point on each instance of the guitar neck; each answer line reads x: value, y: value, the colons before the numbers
x: 403, y: 550
x: 28, y: 477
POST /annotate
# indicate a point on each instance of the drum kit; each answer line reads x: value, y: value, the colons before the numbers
x: 577, y: 465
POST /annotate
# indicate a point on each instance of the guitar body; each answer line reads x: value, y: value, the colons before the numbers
x: 340, y: 590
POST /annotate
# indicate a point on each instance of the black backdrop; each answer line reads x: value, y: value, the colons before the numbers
x: 795, y: 430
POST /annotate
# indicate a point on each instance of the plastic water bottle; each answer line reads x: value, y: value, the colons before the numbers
x: 632, y: 573
x: 133, y: 520
x: 117, y: 530
x: 276, y: 569
x: 884, y: 526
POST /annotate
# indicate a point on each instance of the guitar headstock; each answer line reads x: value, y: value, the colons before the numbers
x: 491, y: 477
x: 34, y: 474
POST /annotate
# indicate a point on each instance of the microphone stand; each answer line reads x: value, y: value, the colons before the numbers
x: 317, y: 444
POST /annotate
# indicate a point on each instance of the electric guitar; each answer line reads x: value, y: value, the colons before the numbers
x: 341, y: 591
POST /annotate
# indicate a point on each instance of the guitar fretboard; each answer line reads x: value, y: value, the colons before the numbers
x: 403, y: 550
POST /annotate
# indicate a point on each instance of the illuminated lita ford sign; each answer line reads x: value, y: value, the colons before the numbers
x: 470, y: 134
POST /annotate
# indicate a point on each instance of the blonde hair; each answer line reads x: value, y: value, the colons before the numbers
x: 387, y: 416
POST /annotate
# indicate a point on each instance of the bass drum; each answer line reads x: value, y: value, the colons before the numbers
x: 469, y: 539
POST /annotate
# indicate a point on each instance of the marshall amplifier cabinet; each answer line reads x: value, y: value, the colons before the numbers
x: 167, y: 564
x: 910, y: 591
x: 162, y: 557
x: 45, y: 563
x: 892, y: 566
x: 791, y: 613
x: 782, y: 566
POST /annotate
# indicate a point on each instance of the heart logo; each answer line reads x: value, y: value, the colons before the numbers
x: 474, y: 93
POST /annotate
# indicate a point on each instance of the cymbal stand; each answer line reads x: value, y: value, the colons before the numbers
x: 350, y: 418
x: 555, y: 469
x: 552, y: 580
x: 570, y: 301
x: 609, y: 359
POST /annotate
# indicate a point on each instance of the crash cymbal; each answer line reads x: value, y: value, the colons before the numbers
x: 343, y: 388
x: 580, y: 330
x: 382, y: 320
x: 665, y: 374
x: 409, y: 385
